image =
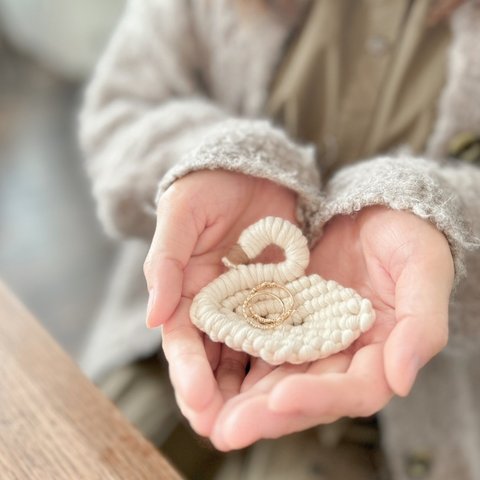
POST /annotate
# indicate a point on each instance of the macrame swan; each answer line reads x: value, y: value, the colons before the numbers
x: 273, y: 310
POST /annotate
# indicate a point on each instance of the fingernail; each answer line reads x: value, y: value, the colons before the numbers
x: 151, y: 302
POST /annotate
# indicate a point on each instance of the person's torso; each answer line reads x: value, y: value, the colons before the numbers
x: 362, y: 78
x: 389, y: 79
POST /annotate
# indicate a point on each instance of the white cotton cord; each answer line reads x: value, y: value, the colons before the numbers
x: 326, y: 318
x: 277, y: 231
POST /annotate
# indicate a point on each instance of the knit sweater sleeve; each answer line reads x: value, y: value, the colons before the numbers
x: 147, y: 120
x: 446, y: 194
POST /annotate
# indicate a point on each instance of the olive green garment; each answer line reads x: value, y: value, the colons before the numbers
x: 361, y: 77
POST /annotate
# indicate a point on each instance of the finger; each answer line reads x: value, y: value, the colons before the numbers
x: 177, y: 231
x: 230, y: 371
x: 201, y: 422
x: 189, y: 368
x: 276, y: 424
x: 212, y: 350
x: 266, y: 382
x: 422, y: 296
x: 361, y: 391
x: 262, y: 376
x: 337, y: 363
x: 258, y: 370
x: 263, y: 386
x: 252, y: 420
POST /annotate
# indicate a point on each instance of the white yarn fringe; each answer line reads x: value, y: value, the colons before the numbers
x: 327, y: 317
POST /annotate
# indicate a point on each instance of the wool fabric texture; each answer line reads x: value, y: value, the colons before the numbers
x: 182, y: 87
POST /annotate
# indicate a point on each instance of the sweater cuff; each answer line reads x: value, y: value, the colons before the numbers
x: 403, y: 183
x: 256, y: 148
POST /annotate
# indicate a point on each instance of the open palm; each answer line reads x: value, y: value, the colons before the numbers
x: 200, y: 217
x: 400, y: 262
x: 403, y: 265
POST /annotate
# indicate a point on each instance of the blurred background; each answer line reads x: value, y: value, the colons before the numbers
x: 53, y: 253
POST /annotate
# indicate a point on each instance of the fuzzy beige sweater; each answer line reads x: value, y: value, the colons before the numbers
x: 182, y: 87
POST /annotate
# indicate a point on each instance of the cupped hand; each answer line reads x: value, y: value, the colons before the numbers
x: 199, y: 218
x: 404, y: 266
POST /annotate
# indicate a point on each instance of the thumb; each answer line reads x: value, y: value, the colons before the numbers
x: 176, y: 234
x: 422, y: 295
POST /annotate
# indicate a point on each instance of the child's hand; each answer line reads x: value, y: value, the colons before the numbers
x: 404, y: 266
x: 199, y: 218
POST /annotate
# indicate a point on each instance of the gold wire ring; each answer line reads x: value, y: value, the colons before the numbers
x: 257, y: 320
x: 256, y: 316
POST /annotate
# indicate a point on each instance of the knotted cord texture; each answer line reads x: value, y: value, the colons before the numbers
x: 326, y: 318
